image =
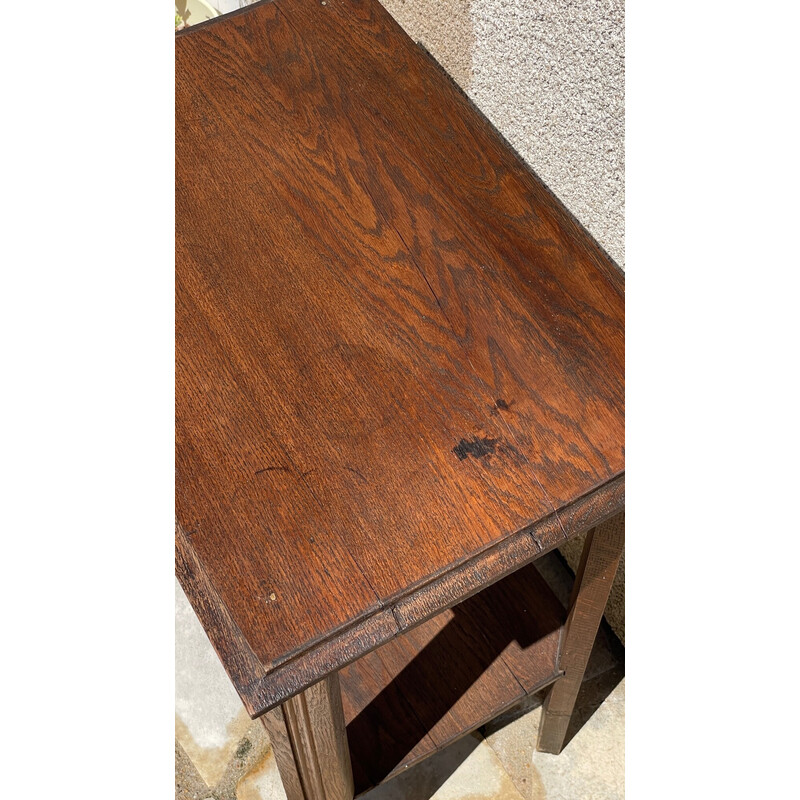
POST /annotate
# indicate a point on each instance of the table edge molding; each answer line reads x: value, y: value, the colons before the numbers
x: 277, y: 682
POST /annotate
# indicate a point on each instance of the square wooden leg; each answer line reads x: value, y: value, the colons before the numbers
x: 599, y: 562
x: 309, y: 740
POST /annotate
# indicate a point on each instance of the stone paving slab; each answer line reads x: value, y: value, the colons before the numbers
x: 592, y: 765
x: 467, y: 770
x: 210, y: 719
x: 263, y: 782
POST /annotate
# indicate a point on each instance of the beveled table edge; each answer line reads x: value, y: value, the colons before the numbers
x: 261, y: 687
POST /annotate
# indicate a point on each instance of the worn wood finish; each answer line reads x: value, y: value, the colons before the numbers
x: 430, y: 686
x: 310, y: 745
x: 599, y: 562
x: 277, y: 728
x: 399, y: 361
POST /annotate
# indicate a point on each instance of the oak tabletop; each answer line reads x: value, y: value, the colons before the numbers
x: 399, y: 360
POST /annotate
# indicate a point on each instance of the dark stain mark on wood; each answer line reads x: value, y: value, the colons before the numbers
x: 478, y: 448
x: 500, y: 405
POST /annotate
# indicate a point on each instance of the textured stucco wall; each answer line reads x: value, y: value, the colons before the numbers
x: 549, y: 74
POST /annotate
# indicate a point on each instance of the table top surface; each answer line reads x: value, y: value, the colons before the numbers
x: 399, y: 360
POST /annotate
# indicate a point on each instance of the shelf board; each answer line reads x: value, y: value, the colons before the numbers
x: 437, y: 682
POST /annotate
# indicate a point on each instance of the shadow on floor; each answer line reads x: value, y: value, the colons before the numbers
x: 423, y: 780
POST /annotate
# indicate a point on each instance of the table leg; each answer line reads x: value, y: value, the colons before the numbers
x: 309, y: 740
x: 599, y: 561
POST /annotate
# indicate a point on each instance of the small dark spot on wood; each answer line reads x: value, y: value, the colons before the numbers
x: 500, y: 405
x: 478, y: 448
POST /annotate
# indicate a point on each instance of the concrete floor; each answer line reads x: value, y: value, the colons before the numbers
x: 220, y: 753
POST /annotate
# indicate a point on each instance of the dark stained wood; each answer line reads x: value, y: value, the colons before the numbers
x: 509, y: 554
x: 435, y: 683
x: 509, y: 271
x: 310, y: 744
x: 599, y: 561
x: 399, y: 361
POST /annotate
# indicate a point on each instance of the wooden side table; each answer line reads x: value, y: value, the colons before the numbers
x: 400, y: 380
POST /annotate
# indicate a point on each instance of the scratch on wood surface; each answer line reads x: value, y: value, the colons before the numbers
x: 356, y: 472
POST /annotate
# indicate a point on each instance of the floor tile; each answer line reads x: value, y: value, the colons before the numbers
x: 592, y: 765
x: 252, y: 758
x: 210, y: 719
x: 263, y: 782
x: 467, y: 770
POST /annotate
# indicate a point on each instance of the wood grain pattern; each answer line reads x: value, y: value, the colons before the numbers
x: 399, y: 361
x: 599, y: 561
x: 277, y: 727
x: 310, y: 745
x: 430, y: 686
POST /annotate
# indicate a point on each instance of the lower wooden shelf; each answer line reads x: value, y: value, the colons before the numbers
x: 425, y: 689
